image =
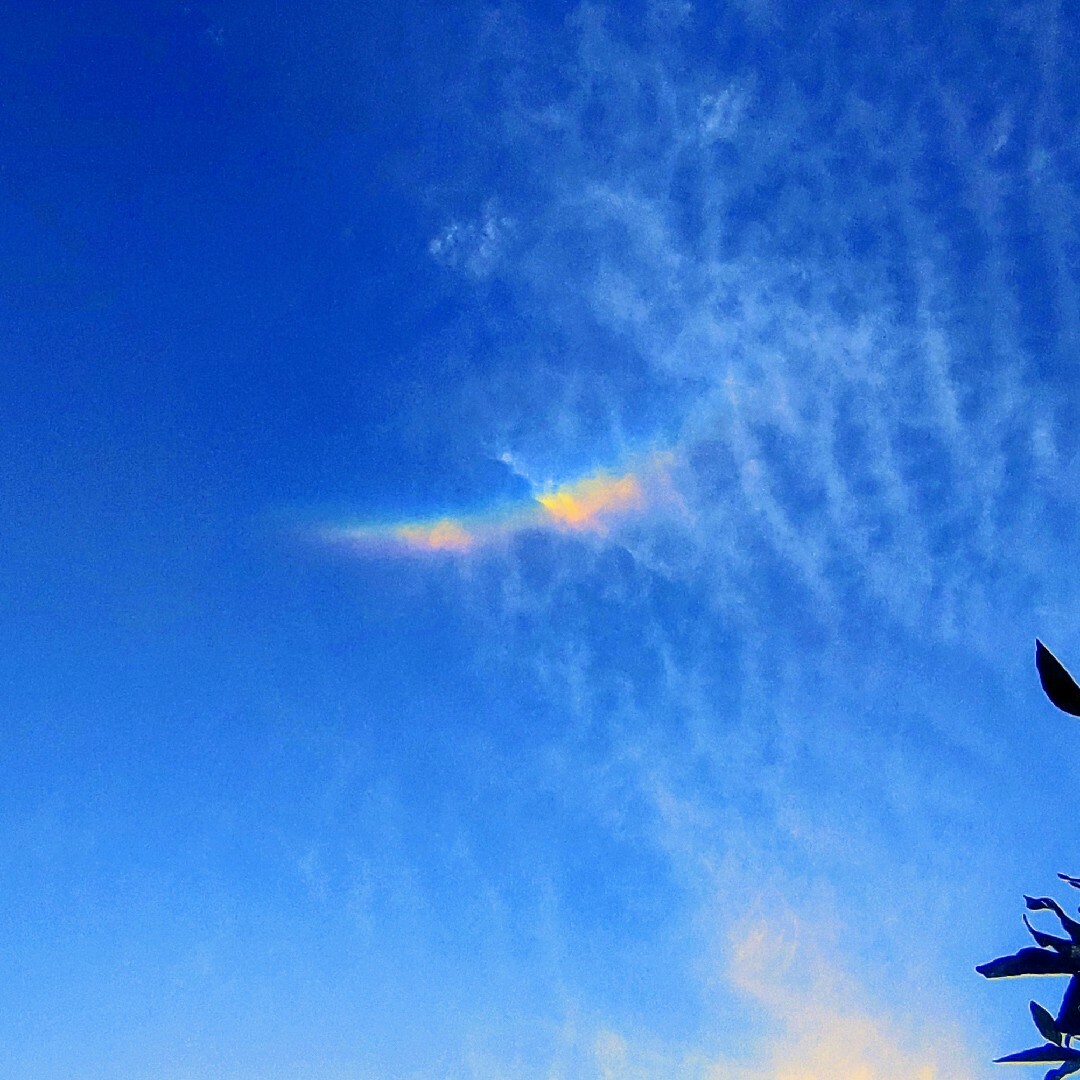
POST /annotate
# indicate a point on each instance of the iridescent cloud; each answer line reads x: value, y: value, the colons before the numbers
x: 592, y: 504
x: 587, y: 503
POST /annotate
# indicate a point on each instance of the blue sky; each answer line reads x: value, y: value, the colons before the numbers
x: 525, y: 526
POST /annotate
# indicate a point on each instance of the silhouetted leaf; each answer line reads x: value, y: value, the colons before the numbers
x: 1063, y: 1070
x: 1059, y: 685
x: 1049, y: 941
x: 1068, y: 1017
x: 1044, y: 1021
x: 1049, y: 1052
x: 1073, y: 881
x: 1045, y: 903
x: 1029, y: 962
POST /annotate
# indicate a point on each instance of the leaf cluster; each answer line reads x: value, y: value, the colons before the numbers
x: 1051, y: 954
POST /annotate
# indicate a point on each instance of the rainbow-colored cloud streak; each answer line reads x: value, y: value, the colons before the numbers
x: 592, y: 504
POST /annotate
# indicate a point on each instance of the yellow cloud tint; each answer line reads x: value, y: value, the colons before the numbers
x: 825, y: 1030
x: 591, y: 504
x: 585, y: 504
x: 444, y: 535
x: 819, y: 1022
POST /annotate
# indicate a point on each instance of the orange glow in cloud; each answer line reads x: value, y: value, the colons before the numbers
x: 583, y: 505
x: 444, y: 535
x: 820, y: 1023
x: 592, y: 504
x: 825, y: 1029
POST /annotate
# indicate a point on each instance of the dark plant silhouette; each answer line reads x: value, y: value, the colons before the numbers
x: 1051, y: 955
x: 1059, y: 685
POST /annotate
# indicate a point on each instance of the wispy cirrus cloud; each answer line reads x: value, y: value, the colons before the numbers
x: 822, y: 283
x: 807, y: 1018
x: 826, y: 1023
x: 827, y: 329
x: 822, y: 1024
x: 477, y: 247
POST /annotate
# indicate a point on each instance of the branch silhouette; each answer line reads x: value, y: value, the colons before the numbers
x: 1052, y: 955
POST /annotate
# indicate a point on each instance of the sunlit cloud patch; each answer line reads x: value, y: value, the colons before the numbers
x: 593, y: 504
x: 586, y: 504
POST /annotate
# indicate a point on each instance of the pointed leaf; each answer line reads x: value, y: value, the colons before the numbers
x: 1068, y: 1017
x: 1044, y: 1021
x: 1049, y: 941
x: 1059, y: 686
x: 1045, y: 903
x: 1029, y: 962
x: 1073, y: 881
x: 1048, y: 1052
